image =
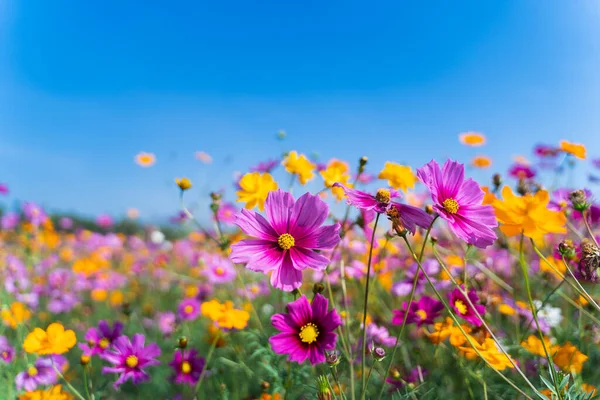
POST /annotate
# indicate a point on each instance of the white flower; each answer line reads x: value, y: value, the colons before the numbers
x: 157, y: 237
x: 552, y: 315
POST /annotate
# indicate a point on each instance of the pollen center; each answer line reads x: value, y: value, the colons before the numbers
x: 460, y: 306
x: 131, y: 361
x: 32, y: 371
x: 309, y: 333
x: 104, y: 343
x: 186, y: 368
x: 188, y: 309
x: 451, y: 206
x: 422, y: 314
x: 286, y: 241
x: 220, y: 271
x: 383, y: 196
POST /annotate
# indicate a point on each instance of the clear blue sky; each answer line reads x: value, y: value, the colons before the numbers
x: 84, y: 86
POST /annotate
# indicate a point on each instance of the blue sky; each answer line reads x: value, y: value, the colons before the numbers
x: 85, y: 86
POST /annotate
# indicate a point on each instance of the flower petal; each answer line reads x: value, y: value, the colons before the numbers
x: 278, y: 208
x: 305, y: 258
x: 285, y: 276
x: 308, y: 214
x: 255, y: 225
x: 259, y: 255
x: 324, y: 237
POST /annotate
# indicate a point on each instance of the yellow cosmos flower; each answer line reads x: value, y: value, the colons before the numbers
x: 398, y: 176
x: 488, y: 197
x: 224, y: 315
x: 300, y: 166
x: 447, y: 330
x: 54, y: 340
x: 16, y: 314
x: 528, y: 215
x: 145, y: 160
x: 254, y: 188
x: 481, y: 162
x: 488, y: 350
x: 472, y: 138
x: 568, y: 358
x: 533, y: 344
x: 576, y: 149
x: 53, y: 393
x: 336, y: 171
x: 183, y: 183
x: 559, y: 269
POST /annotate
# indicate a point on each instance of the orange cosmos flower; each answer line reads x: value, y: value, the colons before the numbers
x: 54, y: 340
x: 569, y: 358
x: 472, y: 139
x: 481, y: 162
x: 145, y: 160
x: 576, y: 149
x: 16, y: 315
x: 533, y: 344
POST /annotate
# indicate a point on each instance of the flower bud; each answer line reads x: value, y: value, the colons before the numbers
x: 265, y: 385
x: 332, y: 358
x: 497, y: 181
x: 379, y: 353
x: 182, y: 342
x: 361, y: 164
x: 590, y: 261
x: 85, y: 359
x: 429, y: 209
x: 318, y: 288
x: 323, y: 392
x: 579, y: 200
x: 522, y: 187
x: 183, y: 183
x: 566, y: 248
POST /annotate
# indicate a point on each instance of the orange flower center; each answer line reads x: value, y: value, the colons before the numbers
x: 422, y: 314
x: 131, y: 361
x: 451, y: 206
x: 32, y: 371
x: 383, y: 196
x: 220, y: 271
x: 104, y: 343
x: 186, y: 368
x: 309, y: 333
x: 286, y: 241
x: 188, y: 309
x: 460, y: 306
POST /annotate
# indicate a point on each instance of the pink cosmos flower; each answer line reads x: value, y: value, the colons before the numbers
x: 218, y: 269
x: 3, y: 189
x: 104, y: 221
x: 129, y: 358
x: 307, y: 330
x: 421, y: 312
x: 187, y: 367
x: 7, y: 352
x: 189, y: 309
x: 285, y: 241
x: 521, y: 171
x: 462, y: 307
x: 226, y: 213
x: 458, y: 201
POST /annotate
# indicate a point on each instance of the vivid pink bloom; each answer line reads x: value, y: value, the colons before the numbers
x: 462, y: 307
x: 226, y: 213
x: 129, y: 358
x: 458, y: 201
x: 307, y: 330
x: 189, y: 309
x: 421, y: 312
x: 104, y: 221
x: 218, y: 269
x: 187, y: 366
x: 3, y: 189
x: 285, y: 241
x: 521, y: 171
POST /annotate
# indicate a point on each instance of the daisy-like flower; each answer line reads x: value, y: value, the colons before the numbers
x: 54, y: 340
x: 16, y: 314
x: 53, y: 393
x: 336, y: 171
x: 421, y: 312
x: 576, y: 149
x: 521, y: 171
x: 226, y: 213
x: 218, y: 269
x: 9, y: 220
x: 472, y: 138
x: 7, y: 352
x: 284, y: 243
x: 481, y: 162
x: 254, y: 189
x: 398, y: 176
x: 462, y: 307
x: 300, y: 166
x: 145, y: 160
x: 187, y: 367
x: 129, y: 358
x: 100, y: 339
x: 189, y: 309
x: 459, y: 202
x: 104, y: 221
x: 307, y: 330
x: 34, y: 213
x: 41, y: 373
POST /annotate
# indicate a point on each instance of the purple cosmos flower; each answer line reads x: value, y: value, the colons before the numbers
x: 421, y: 312
x: 265, y: 166
x: 462, y: 307
x: 226, y: 213
x: 189, y: 309
x: 307, y: 330
x: 130, y: 358
x: 41, y: 373
x: 9, y: 220
x: 403, y: 287
x: 218, y: 269
x: 104, y: 221
x: 521, y: 171
x: 187, y: 366
x: 166, y: 323
x: 65, y: 223
x: 34, y: 213
x: 286, y: 240
x: 596, y: 162
x: 99, y: 340
x: 458, y: 201
x: 7, y: 352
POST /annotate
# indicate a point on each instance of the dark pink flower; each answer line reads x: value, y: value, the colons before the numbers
x: 544, y: 150
x: 7, y: 352
x: 462, y: 307
x: 458, y: 201
x: 3, y: 189
x: 307, y: 330
x: 421, y: 312
x: 99, y: 340
x: 189, y: 309
x: 521, y: 171
x: 285, y: 241
x: 129, y: 358
x: 187, y: 366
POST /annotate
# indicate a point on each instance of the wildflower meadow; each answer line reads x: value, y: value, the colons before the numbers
x: 315, y: 280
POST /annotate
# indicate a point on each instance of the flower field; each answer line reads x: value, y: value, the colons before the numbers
x: 386, y: 282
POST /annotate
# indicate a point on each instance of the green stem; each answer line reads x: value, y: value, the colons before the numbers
x: 85, y: 383
x: 213, y: 346
x: 71, y: 388
x: 588, y: 227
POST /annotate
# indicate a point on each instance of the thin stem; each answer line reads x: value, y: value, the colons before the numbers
x: 364, y: 328
x: 368, y: 379
x: 71, y: 388
x: 542, y: 306
x: 247, y: 295
x: 191, y: 216
x: 85, y: 383
x: 587, y: 225
x: 213, y: 346
x: 337, y: 381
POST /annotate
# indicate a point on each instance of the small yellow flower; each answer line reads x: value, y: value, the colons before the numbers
x: 569, y: 358
x: 54, y: 340
x: 224, y: 315
x: 300, y: 166
x: 183, y: 183
x: 472, y: 138
x: 533, y: 344
x: 145, y: 160
x: 488, y: 350
x: 255, y: 187
x: 576, y: 149
x: 447, y: 330
x: 336, y: 171
x: 481, y: 162
x: 16, y: 315
x: 53, y: 393
x: 398, y: 176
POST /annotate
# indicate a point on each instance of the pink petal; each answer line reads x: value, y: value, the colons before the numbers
x: 325, y: 237
x: 319, y: 307
x: 278, y: 207
x: 284, y: 323
x: 308, y: 214
x: 470, y: 193
x: 453, y: 173
x: 286, y: 277
x: 305, y: 258
x: 255, y: 225
x: 300, y: 311
x: 260, y: 255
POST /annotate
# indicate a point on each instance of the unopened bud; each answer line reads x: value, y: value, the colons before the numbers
x: 429, y: 209
x: 379, y: 353
x: 84, y: 359
x: 579, y: 200
x: 183, y: 183
x: 394, y: 373
x: 323, y: 392
x: 318, y: 288
x: 522, y: 187
x: 265, y: 385
x: 332, y: 358
x: 590, y: 261
x: 182, y: 342
x: 361, y: 164
x: 566, y: 248
x: 497, y: 181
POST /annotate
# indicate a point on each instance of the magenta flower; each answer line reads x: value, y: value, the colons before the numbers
x: 265, y: 166
x: 7, y: 352
x: 99, y: 340
x: 4, y: 189
x: 187, y: 367
x: 422, y: 312
x: 189, y: 309
x: 104, y: 221
x: 41, y: 373
x: 9, y: 220
x: 307, y: 330
x: 34, y: 213
x: 458, y: 201
x: 285, y: 242
x: 544, y: 150
x: 66, y: 223
x: 521, y: 171
x: 166, y: 322
x: 462, y: 307
x: 596, y: 162
x: 218, y: 269
x: 226, y: 213
x: 129, y: 358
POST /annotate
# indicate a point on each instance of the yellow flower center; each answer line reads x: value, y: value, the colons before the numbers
x: 383, y: 196
x: 460, y: 306
x: 219, y: 271
x: 422, y: 314
x: 32, y: 371
x: 286, y: 241
x: 451, y: 206
x: 188, y: 309
x: 186, y: 368
x: 131, y: 361
x: 104, y: 343
x: 309, y: 333
x: 4, y: 354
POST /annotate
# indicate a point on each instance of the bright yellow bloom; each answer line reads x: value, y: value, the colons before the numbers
x: 336, y: 171
x: 569, y: 358
x: 183, y: 183
x: 528, y: 215
x: 472, y: 138
x: 300, y: 166
x: 398, y: 176
x: 559, y: 269
x: 99, y: 294
x: 481, y: 162
x: 224, y: 315
x: 488, y: 197
x: 444, y: 330
x: 533, y: 344
x: 506, y: 309
x: 16, y: 315
x: 576, y: 149
x: 54, y: 340
x: 255, y: 187
x: 86, y: 266
x: 490, y: 351
x: 145, y: 159
x: 53, y: 393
